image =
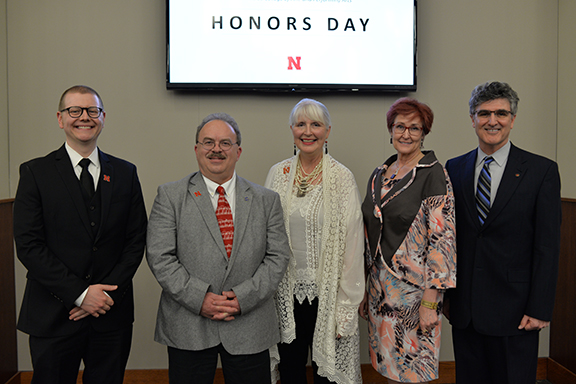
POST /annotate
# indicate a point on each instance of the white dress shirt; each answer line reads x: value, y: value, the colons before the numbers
x: 229, y: 188
x: 496, y: 168
x: 94, y: 169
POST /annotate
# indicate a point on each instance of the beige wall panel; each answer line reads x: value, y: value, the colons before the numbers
x: 566, y: 86
x: 118, y: 48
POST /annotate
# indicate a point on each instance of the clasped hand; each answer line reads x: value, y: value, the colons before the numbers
x: 220, y: 307
x: 95, y: 303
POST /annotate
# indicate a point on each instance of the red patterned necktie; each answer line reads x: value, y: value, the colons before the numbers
x: 225, y: 221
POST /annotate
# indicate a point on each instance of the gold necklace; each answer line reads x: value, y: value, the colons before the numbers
x: 304, y: 182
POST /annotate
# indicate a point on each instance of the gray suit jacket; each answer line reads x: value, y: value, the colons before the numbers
x: 186, y: 253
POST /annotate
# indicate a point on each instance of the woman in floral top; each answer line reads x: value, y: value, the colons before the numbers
x: 410, y: 250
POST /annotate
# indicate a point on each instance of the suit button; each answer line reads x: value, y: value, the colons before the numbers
x: 88, y: 277
x: 95, y: 249
x: 93, y: 224
x: 92, y: 207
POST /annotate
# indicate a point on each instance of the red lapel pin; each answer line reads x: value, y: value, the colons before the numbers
x: 106, y: 178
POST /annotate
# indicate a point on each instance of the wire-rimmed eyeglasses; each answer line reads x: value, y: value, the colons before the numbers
x: 224, y: 145
x: 499, y: 113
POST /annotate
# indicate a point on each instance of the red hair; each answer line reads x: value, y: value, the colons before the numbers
x: 409, y: 106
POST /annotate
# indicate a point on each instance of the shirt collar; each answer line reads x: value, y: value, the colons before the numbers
x: 229, y: 186
x: 75, y: 157
x: 500, y: 156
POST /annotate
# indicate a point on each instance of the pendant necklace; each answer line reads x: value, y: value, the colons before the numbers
x: 398, y: 167
x: 397, y: 170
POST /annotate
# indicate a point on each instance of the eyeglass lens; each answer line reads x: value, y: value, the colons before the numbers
x: 77, y: 111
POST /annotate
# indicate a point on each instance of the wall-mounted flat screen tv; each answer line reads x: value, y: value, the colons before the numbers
x: 291, y: 45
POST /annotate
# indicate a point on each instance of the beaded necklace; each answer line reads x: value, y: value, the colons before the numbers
x: 304, y: 181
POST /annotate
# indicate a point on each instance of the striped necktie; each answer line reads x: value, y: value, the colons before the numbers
x: 225, y: 221
x: 483, y: 190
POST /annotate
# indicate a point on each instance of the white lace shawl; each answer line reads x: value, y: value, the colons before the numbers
x: 340, y: 277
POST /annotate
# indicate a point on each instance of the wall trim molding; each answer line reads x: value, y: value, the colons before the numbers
x: 558, y: 374
x: 548, y: 369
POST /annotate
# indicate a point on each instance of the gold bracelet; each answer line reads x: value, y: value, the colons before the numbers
x: 429, y: 304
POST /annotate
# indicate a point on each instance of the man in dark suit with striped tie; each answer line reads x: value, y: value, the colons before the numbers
x: 508, y: 217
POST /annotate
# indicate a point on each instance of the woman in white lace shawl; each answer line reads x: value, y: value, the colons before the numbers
x: 318, y: 299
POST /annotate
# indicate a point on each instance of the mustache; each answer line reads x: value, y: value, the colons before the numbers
x: 216, y: 156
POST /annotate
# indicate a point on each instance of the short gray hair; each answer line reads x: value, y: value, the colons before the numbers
x: 222, y: 117
x: 312, y: 109
x: 492, y: 91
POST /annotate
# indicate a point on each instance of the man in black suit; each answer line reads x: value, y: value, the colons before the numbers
x: 508, y: 217
x: 80, y: 229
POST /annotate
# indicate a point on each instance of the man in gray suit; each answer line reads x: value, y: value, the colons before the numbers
x: 219, y: 256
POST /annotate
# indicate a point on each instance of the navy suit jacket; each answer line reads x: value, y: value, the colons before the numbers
x: 508, y: 267
x: 55, y: 242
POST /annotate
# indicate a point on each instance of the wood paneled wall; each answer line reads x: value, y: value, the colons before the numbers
x: 562, y: 332
x: 8, y: 353
x: 563, y: 325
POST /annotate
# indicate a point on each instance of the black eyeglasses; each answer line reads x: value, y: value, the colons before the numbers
x: 75, y: 112
x: 210, y: 144
x: 499, y: 114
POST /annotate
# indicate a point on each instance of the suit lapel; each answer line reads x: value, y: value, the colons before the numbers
x: 513, y: 174
x: 242, y: 213
x: 66, y: 171
x: 105, y: 184
x: 199, y: 194
x: 468, y: 186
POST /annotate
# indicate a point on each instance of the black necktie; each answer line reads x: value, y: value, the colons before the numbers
x: 483, y: 190
x: 86, y: 178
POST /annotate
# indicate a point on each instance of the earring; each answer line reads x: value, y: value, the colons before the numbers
x: 422, y: 143
x: 294, y: 149
x: 390, y: 139
x: 326, y: 146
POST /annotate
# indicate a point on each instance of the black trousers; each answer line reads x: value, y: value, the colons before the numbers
x: 482, y: 359
x: 294, y: 356
x: 56, y: 360
x: 199, y: 367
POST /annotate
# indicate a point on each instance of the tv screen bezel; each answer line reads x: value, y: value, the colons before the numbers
x: 287, y: 87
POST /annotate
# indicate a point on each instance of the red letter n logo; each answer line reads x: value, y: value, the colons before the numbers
x: 295, y: 63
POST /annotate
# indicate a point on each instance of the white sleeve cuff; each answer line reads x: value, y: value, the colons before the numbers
x: 80, y: 298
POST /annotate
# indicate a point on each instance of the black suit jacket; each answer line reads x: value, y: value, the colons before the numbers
x: 55, y: 242
x: 508, y: 267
